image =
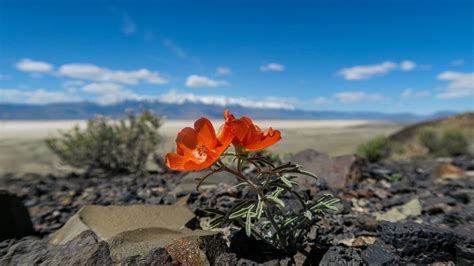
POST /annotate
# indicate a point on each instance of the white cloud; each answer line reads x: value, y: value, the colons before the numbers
x: 367, y: 71
x: 320, y: 101
x: 276, y: 67
x: 110, y: 93
x: 96, y: 73
x: 457, y: 62
x: 459, y: 84
x: 28, y: 65
x: 180, y: 98
x: 223, y: 71
x: 349, y: 97
x: 39, y: 96
x: 72, y: 85
x: 196, y: 81
x: 410, y: 93
x: 178, y: 51
x: 407, y: 65
x: 128, y: 25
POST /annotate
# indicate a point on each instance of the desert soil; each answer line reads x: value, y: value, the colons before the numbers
x: 22, y: 148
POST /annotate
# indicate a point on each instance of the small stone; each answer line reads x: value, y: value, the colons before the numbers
x: 448, y: 172
x: 338, y: 255
x: 395, y: 214
x: 381, y: 193
x: 379, y: 254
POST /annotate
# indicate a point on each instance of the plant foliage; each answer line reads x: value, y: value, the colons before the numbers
x: 266, y: 215
x: 376, y: 149
x: 451, y: 143
x: 110, y: 146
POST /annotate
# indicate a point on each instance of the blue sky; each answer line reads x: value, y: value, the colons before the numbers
x: 395, y: 56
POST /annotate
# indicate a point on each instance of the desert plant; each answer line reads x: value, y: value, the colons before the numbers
x: 452, y: 143
x: 263, y: 212
x: 109, y: 146
x: 429, y: 139
x: 375, y: 149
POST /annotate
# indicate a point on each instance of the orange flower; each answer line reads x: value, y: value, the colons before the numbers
x: 248, y: 136
x: 199, y: 147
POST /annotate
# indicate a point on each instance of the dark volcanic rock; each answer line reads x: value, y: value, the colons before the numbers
x: 15, y: 221
x: 337, y: 172
x: 379, y: 254
x: 84, y: 250
x: 420, y: 243
x: 338, y: 255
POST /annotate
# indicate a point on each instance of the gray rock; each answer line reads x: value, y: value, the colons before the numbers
x: 189, y: 182
x: 86, y: 249
x: 420, y: 243
x: 338, y: 255
x: 337, y: 172
x: 15, y: 221
x: 379, y: 254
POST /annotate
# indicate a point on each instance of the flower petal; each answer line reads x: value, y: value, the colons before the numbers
x: 267, y: 139
x: 175, y: 161
x: 187, y: 139
x: 205, y: 133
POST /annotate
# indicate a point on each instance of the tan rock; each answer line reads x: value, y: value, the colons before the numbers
x: 448, y: 172
x: 398, y: 213
x: 109, y: 221
x: 134, y: 230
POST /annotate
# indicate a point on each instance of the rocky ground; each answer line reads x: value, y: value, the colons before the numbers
x: 393, y: 212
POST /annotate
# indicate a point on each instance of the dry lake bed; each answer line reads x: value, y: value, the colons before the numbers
x: 22, y: 148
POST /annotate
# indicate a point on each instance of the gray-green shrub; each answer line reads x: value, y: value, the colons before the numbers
x: 110, y: 146
x: 452, y: 143
x: 375, y: 149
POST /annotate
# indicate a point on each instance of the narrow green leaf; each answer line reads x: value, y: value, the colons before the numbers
x: 241, y: 212
x: 248, y: 223
x: 277, y: 201
x: 308, y: 174
x: 259, y: 209
x: 286, y: 181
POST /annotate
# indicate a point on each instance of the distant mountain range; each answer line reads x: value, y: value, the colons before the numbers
x: 188, y: 110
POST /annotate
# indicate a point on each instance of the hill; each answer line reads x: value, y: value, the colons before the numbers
x: 409, y: 137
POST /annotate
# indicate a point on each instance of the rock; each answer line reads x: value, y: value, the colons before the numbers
x: 109, y: 221
x: 341, y: 256
x: 189, y: 181
x: 419, y: 243
x: 363, y: 241
x: 136, y: 229
x: 448, y: 172
x: 337, y: 172
x: 379, y: 254
x: 226, y: 259
x: 197, y: 250
x: 15, y: 221
x: 85, y: 249
x: 395, y: 214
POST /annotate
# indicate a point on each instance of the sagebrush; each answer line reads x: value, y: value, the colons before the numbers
x: 110, y: 146
x: 376, y: 149
x: 452, y: 143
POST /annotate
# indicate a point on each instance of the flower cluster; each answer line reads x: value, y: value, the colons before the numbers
x: 262, y: 212
x: 200, y: 147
